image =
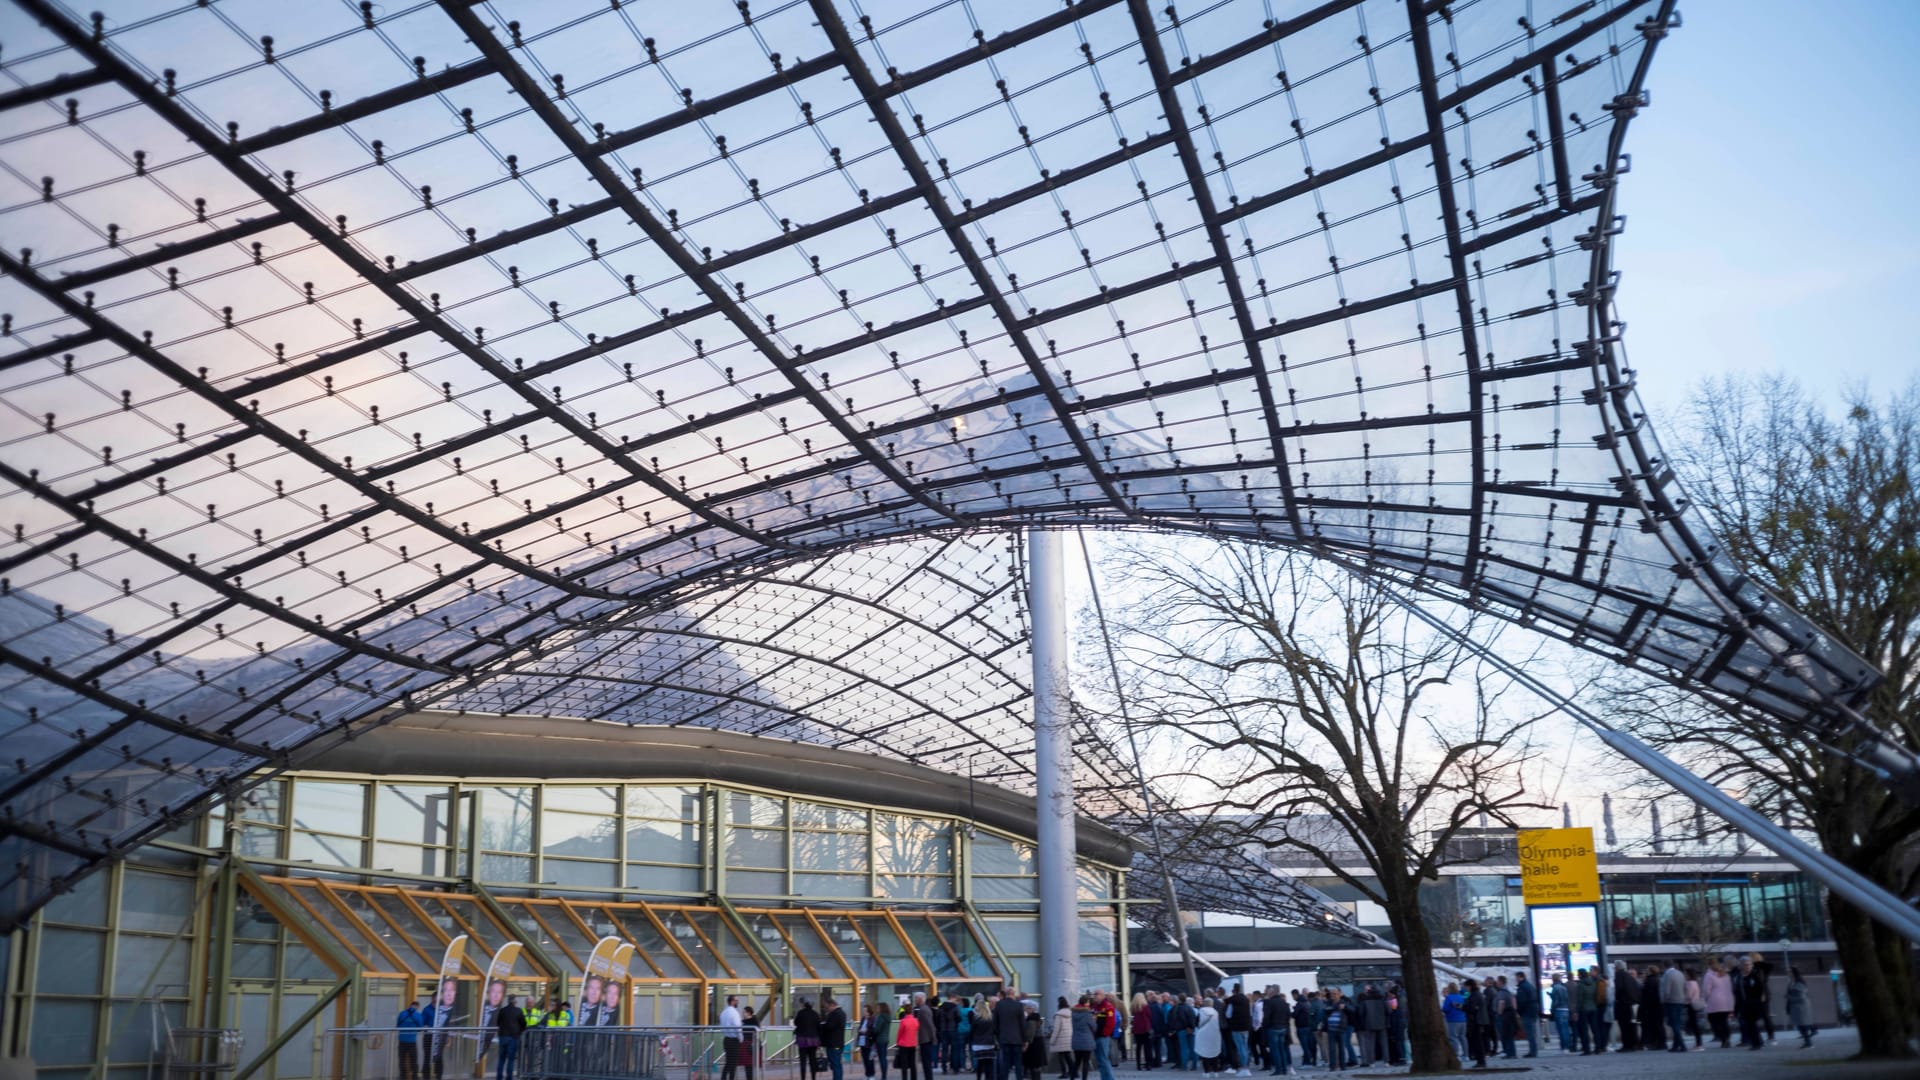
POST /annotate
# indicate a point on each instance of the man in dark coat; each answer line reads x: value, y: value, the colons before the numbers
x: 833, y: 1035
x: 1626, y: 1006
x: 1479, y: 1024
x: 1236, y: 1020
x: 1304, y: 1022
x: 1010, y: 1032
x: 1653, y: 1035
x: 1750, y: 1002
x: 1373, y: 1025
x: 1526, y: 999
x: 946, y: 1023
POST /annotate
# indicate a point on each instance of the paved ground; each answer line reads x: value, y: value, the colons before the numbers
x: 1784, y: 1060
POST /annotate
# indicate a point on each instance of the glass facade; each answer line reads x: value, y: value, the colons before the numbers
x: 346, y: 892
x: 1680, y: 907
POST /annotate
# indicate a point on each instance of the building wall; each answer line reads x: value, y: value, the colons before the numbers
x: 162, y: 926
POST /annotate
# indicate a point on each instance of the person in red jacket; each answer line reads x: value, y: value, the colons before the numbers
x: 1106, y: 1023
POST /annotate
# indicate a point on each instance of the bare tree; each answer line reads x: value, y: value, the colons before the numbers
x: 1305, y: 698
x: 1826, y: 514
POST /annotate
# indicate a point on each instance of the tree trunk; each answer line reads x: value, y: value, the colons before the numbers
x: 1876, y: 1012
x: 1895, y: 953
x: 1426, y: 1027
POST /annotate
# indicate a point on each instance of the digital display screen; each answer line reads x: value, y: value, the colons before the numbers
x: 1574, y: 924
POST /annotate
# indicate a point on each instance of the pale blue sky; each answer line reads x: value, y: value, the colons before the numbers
x: 1772, y: 223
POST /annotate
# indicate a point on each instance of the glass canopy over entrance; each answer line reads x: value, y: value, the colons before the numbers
x: 676, y: 365
x: 682, y: 953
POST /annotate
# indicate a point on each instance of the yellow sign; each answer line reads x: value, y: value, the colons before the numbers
x: 1559, y: 866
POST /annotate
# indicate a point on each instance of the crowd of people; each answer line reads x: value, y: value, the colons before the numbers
x: 1657, y: 1006
x: 1230, y: 1032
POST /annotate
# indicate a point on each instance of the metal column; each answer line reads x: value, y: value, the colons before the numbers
x: 1053, y: 770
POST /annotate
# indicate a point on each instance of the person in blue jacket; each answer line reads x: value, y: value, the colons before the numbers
x: 410, y: 1021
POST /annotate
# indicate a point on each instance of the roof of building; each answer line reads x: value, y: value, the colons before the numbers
x: 677, y: 366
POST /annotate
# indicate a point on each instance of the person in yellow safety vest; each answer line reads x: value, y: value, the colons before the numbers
x: 536, y: 1013
x: 562, y: 1016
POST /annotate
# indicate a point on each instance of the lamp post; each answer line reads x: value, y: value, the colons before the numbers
x: 1786, y: 957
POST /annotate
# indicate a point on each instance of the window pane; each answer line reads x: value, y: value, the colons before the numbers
x: 159, y: 902
x: 900, y: 887
x: 254, y: 961
x: 408, y: 859
x: 569, y: 872
x: 830, y: 884
x: 506, y: 820
x: 757, y: 882
x: 763, y: 848
x: 821, y: 816
x: 1093, y: 882
x: 506, y: 869
x: 70, y: 961
x: 665, y: 879
x: 578, y: 835
x: 664, y: 803
x: 64, y: 1032
x: 903, y: 845
x: 264, y: 803
x: 1097, y: 935
x: 745, y: 809
x: 324, y: 806
x: 86, y: 905
x: 414, y: 814
x: 587, y: 800
x: 838, y: 852
x: 663, y: 841
x: 138, y: 959
x: 998, y: 855
x: 1005, y: 888
x: 1016, y: 936
x: 324, y: 850
x: 131, y: 1032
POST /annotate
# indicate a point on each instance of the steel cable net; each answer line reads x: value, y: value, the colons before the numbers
x: 580, y: 357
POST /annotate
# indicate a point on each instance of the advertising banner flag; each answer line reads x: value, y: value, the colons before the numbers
x: 616, y: 986
x: 447, y: 991
x: 593, y: 982
x: 499, y: 970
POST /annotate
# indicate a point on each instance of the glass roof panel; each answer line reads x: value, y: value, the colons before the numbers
x: 681, y: 924
x: 926, y: 942
x: 848, y: 940
x: 483, y: 934
x: 682, y: 369
x: 811, y: 945
x: 894, y: 952
x: 420, y: 955
x: 630, y: 923
x: 314, y: 905
x: 960, y: 936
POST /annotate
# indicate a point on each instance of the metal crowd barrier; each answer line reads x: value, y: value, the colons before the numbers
x: 563, y: 1053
